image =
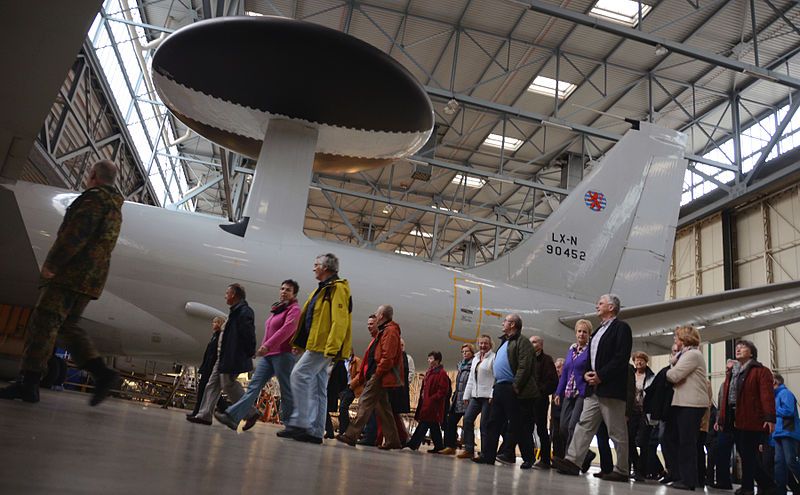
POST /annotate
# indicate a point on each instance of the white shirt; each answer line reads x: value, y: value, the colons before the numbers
x: 596, y: 340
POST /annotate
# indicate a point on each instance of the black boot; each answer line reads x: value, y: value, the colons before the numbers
x: 25, y: 388
x: 104, y: 379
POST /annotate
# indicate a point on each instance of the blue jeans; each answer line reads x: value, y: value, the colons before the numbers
x: 279, y: 365
x: 310, y: 393
x: 785, y: 458
x: 477, y: 405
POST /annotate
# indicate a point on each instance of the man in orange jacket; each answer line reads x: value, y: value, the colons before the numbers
x: 381, y: 369
x: 356, y: 385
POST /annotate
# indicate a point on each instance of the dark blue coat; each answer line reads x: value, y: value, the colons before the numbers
x: 210, y: 356
x: 611, y: 362
x: 238, y: 340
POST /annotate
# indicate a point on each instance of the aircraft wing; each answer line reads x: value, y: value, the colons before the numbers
x: 719, y: 317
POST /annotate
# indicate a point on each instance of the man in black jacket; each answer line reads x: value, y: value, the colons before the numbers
x: 607, y: 391
x: 209, y: 358
x: 547, y: 379
x: 237, y: 346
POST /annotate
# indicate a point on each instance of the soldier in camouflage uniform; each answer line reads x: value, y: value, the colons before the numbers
x: 74, y: 273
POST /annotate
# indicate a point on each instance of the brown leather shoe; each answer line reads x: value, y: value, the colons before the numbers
x: 447, y: 451
x: 465, y: 455
x: 345, y: 439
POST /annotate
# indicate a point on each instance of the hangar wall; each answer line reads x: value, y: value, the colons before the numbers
x: 766, y: 247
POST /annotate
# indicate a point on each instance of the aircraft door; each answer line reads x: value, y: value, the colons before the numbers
x: 467, y: 310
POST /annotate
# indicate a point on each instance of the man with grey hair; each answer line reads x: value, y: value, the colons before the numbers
x: 324, y: 333
x: 382, y: 369
x: 515, y: 389
x: 73, y: 274
x: 606, y: 392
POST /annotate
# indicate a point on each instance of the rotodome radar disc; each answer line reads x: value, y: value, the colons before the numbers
x: 226, y: 78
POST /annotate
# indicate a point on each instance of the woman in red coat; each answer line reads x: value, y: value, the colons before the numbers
x: 747, y: 410
x: 431, y: 405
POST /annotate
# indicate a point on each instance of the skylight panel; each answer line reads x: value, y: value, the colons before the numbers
x: 420, y: 233
x: 253, y: 14
x: 620, y: 11
x: 497, y: 141
x: 547, y: 86
x: 473, y: 182
x: 442, y: 208
x: 404, y: 252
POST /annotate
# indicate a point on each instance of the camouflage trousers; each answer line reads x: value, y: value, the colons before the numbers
x: 56, y: 315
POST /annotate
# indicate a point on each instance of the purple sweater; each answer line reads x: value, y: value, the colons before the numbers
x: 578, y: 366
x: 280, y: 328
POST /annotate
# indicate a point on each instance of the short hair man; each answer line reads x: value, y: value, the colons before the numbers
x: 382, y: 369
x: 513, y: 395
x: 547, y: 380
x: 607, y: 378
x: 235, y: 351
x: 324, y: 333
x: 73, y: 274
x: 275, y: 358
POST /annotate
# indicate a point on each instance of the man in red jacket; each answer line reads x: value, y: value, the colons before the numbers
x: 381, y: 369
x: 747, y: 409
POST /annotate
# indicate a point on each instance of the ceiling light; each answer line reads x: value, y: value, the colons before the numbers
x: 388, y: 209
x: 507, y: 143
x: 661, y: 51
x: 551, y: 87
x: 420, y: 233
x: 451, y: 107
x: 472, y: 182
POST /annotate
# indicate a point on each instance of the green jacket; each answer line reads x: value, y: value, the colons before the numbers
x: 330, y: 331
x: 520, y: 357
x: 81, y: 254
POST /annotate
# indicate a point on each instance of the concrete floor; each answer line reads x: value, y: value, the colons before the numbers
x: 61, y: 446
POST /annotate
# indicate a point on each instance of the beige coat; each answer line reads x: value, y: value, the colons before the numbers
x: 689, y: 378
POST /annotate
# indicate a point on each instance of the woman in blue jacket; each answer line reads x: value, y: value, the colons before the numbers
x: 786, y: 435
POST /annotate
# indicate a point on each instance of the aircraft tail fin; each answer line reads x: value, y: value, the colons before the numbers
x: 614, y: 233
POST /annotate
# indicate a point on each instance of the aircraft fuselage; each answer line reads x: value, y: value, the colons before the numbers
x: 165, y: 259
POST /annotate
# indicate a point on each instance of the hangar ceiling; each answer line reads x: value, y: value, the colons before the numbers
x: 506, y: 149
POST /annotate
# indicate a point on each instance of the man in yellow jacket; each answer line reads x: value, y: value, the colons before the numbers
x: 324, y: 333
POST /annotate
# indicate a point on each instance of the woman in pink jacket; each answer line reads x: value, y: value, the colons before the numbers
x: 276, y: 359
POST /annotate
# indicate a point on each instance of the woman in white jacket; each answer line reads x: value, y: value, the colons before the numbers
x: 689, y: 402
x: 478, y: 394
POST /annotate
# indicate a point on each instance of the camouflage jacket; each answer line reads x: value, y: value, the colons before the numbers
x: 81, y: 254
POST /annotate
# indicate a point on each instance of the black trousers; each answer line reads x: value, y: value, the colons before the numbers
x: 451, y: 428
x: 606, y: 460
x: 419, y: 435
x: 634, y: 425
x: 518, y: 413
x: 747, y: 445
x: 346, y: 398
x: 540, y: 410
x: 559, y: 442
x: 680, y: 443
x: 201, y: 389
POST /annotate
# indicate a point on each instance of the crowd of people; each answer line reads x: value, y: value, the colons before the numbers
x: 599, y: 389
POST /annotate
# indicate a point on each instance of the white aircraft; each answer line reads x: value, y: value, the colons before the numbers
x: 613, y: 234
